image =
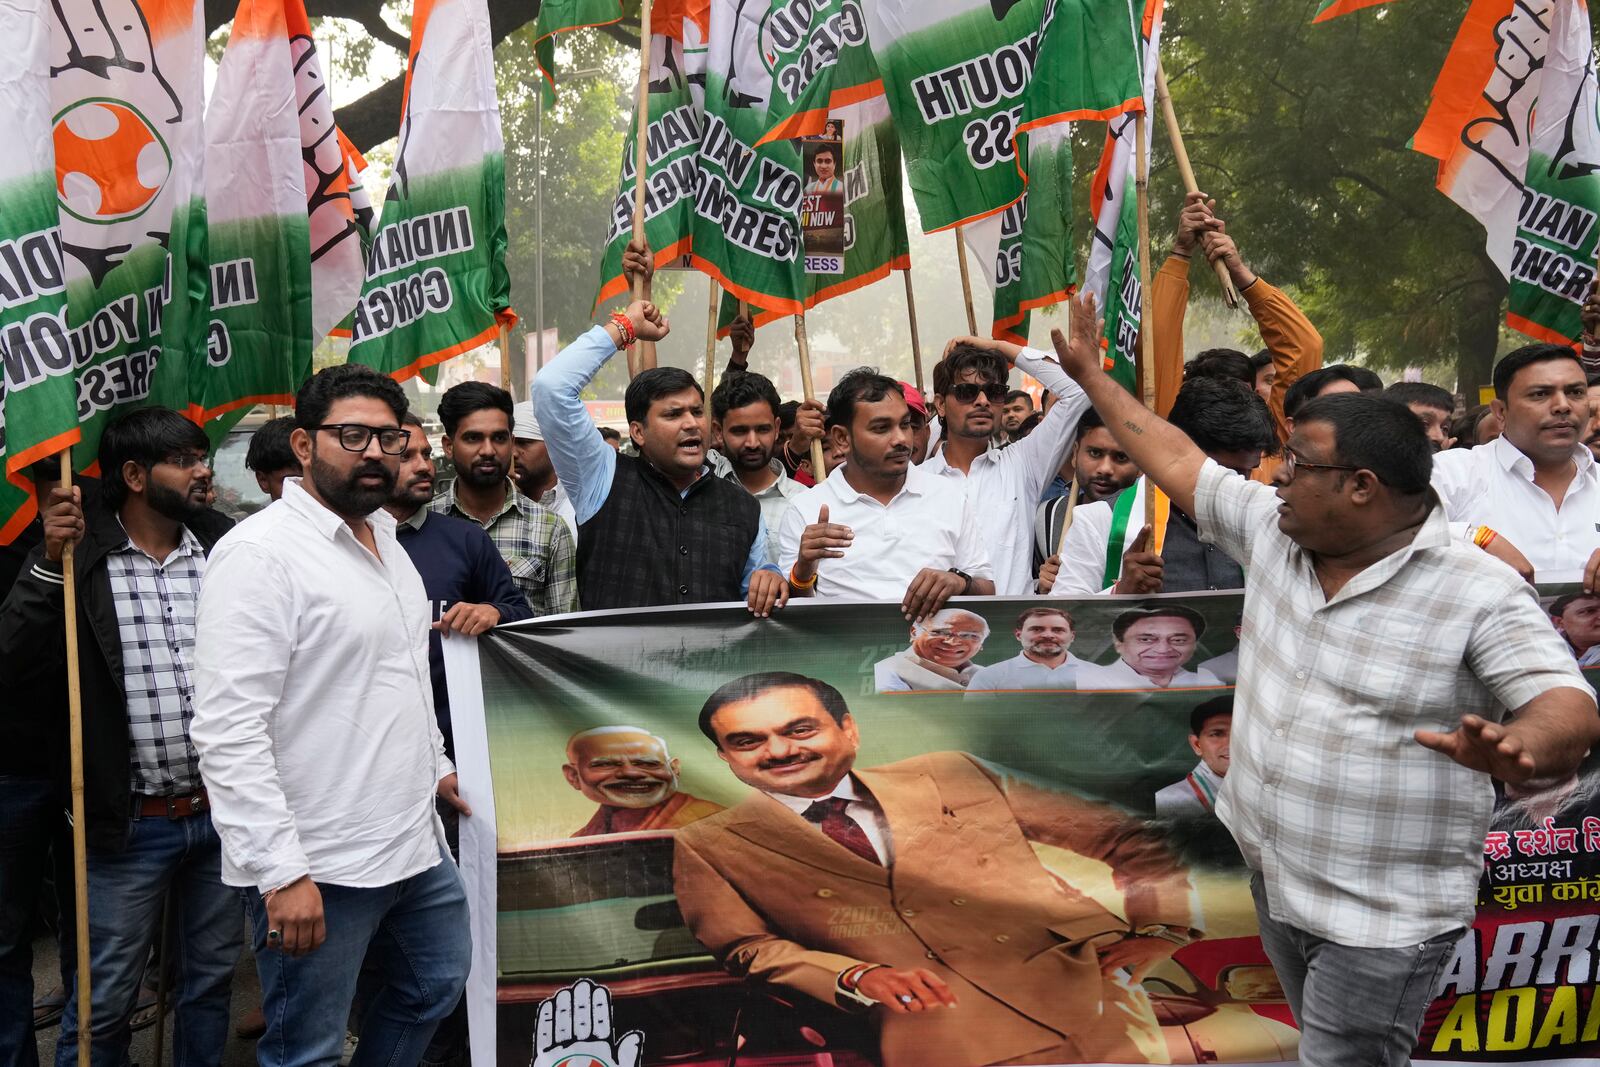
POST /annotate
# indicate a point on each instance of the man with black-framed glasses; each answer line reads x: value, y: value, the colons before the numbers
x: 1386, y: 673
x: 315, y: 729
x: 140, y: 559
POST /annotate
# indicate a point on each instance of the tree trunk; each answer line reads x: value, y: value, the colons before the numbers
x: 1478, y: 332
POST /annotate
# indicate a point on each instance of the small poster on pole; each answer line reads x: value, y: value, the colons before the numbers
x: 822, y: 214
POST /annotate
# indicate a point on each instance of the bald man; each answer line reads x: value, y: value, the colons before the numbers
x: 630, y: 774
x: 940, y: 657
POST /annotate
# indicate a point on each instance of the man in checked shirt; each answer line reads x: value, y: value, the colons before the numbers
x: 1386, y: 674
x: 139, y: 558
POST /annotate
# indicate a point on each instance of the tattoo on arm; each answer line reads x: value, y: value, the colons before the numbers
x: 1134, y: 426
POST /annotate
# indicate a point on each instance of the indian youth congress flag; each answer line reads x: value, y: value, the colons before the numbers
x: 1553, y: 252
x: 126, y: 90
x: 564, y: 16
x: 1112, y: 274
x: 436, y: 277
x: 678, y: 30
x: 260, y: 243
x: 38, y: 393
x: 1513, y: 126
x: 820, y: 63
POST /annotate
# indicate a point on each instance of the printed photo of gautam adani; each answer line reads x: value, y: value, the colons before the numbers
x: 912, y: 891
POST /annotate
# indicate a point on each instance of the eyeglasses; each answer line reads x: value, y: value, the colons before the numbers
x: 1292, y: 463
x: 967, y: 392
x: 186, y: 460
x: 354, y: 437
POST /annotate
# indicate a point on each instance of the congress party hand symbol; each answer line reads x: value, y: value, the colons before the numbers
x: 574, y: 1030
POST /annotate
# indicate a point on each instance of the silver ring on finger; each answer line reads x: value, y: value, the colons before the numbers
x: 905, y: 998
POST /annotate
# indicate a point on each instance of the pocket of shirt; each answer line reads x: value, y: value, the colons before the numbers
x: 527, y: 568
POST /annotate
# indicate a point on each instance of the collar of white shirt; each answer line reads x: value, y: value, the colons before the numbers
x: 847, y: 494
x: 1510, y: 459
x: 846, y: 789
x: 322, y: 518
x: 940, y: 465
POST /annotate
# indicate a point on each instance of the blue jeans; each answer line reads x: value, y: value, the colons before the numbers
x: 126, y: 891
x: 414, y: 933
x: 1356, y: 1007
x: 33, y: 820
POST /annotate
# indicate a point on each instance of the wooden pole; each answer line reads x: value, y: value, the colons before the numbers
x: 643, y: 355
x: 819, y: 470
x: 1147, y: 345
x: 80, y: 847
x: 1230, y: 295
x: 508, y: 376
x: 966, y: 279
x: 916, y: 342
x: 711, y: 334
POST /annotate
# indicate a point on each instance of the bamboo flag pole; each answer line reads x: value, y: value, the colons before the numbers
x: 1147, y: 324
x: 966, y: 279
x: 819, y: 470
x: 80, y: 848
x: 916, y: 342
x: 508, y: 376
x: 643, y: 355
x: 711, y: 334
x: 1185, y: 171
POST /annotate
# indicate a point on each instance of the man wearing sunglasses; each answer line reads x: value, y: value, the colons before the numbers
x: 315, y: 728
x: 1387, y: 672
x: 1004, y: 485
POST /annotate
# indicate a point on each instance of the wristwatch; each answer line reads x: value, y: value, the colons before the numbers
x: 965, y: 577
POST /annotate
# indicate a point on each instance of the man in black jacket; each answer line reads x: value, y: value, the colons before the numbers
x: 139, y: 559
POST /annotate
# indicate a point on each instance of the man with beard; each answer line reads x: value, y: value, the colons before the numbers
x: 317, y: 740
x: 467, y: 582
x: 1101, y: 470
x: 879, y: 528
x: 1535, y: 488
x: 744, y: 411
x: 940, y: 657
x: 140, y: 559
x: 531, y: 538
x: 1045, y: 635
x: 652, y: 528
x: 1210, y: 729
x: 630, y: 774
x: 534, y: 474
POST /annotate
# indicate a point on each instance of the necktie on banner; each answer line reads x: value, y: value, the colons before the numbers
x: 257, y: 214
x: 129, y: 144
x: 38, y: 392
x: 677, y: 91
x: 1513, y: 125
x: 1112, y: 273
x: 436, y: 282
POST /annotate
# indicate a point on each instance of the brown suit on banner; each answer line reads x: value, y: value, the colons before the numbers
x: 965, y: 897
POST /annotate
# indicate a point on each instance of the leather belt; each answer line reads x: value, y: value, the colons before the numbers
x: 148, y: 807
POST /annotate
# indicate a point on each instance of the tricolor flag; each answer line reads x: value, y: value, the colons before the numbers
x: 1328, y: 9
x: 259, y: 344
x: 436, y: 282
x: 38, y: 392
x: 564, y: 16
x: 820, y: 63
x: 1112, y: 274
x: 1513, y: 125
x: 126, y: 91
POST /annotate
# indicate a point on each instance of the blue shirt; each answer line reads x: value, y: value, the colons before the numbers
x: 585, y: 464
x: 459, y: 564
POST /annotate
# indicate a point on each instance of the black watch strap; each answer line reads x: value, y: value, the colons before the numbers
x: 965, y: 577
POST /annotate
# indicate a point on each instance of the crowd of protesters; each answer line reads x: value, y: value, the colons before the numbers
x: 266, y: 721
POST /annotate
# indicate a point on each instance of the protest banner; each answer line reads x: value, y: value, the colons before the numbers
x: 129, y: 146
x: 1514, y: 127
x: 620, y: 854
x: 436, y: 282
x: 259, y: 240
x: 38, y: 392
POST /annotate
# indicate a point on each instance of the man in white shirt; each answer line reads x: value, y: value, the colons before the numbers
x: 1003, y: 484
x: 1536, y: 486
x: 1045, y: 635
x: 1153, y: 645
x: 1210, y: 729
x: 317, y: 741
x: 1577, y: 618
x: 1372, y: 641
x: 878, y: 528
x: 943, y: 647
x: 744, y: 416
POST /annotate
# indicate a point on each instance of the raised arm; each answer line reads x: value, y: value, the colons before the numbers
x: 1163, y: 452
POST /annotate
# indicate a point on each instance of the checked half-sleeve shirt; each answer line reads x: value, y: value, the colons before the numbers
x: 1363, y: 836
x: 534, y: 542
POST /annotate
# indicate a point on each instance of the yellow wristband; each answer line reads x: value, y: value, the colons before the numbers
x: 797, y: 583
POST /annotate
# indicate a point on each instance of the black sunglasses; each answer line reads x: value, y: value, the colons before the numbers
x: 967, y: 392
